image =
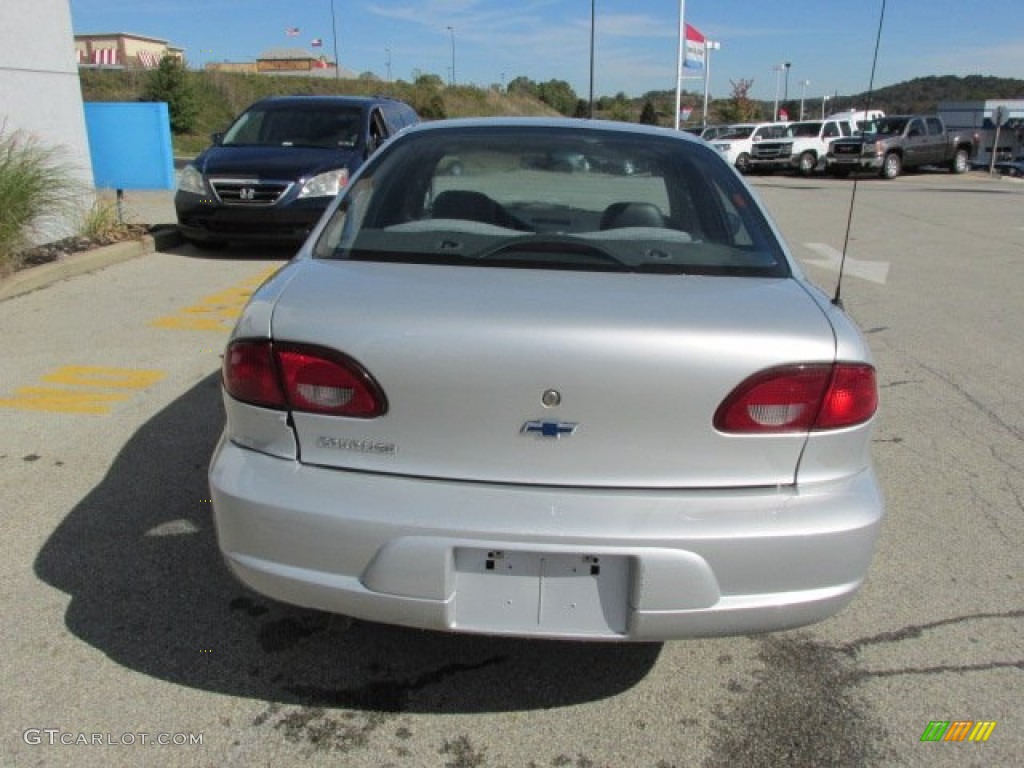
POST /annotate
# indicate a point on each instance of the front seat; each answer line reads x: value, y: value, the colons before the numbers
x: 464, y: 204
x: 620, y: 215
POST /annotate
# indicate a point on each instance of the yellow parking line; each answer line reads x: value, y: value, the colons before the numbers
x: 99, y: 376
x: 216, y: 312
x: 88, y: 395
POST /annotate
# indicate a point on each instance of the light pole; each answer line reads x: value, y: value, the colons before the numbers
x: 803, y: 93
x: 593, y: 11
x: 680, y: 57
x: 778, y: 73
x: 709, y: 46
x: 334, y: 30
x: 387, y: 63
x: 452, y: 31
x: 824, y: 100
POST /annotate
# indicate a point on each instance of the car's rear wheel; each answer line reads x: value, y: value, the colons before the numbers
x: 959, y: 162
x: 892, y: 166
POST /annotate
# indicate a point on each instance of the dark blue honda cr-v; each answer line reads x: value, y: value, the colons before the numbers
x: 270, y: 176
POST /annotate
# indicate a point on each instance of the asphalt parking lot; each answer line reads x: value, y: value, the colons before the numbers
x: 126, y: 642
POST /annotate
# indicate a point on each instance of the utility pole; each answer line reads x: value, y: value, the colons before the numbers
x: 452, y: 31
x: 803, y: 93
x: 709, y: 46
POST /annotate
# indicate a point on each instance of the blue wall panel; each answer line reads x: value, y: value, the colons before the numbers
x: 130, y: 145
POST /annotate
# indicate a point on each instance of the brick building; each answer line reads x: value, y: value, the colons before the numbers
x: 123, y: 50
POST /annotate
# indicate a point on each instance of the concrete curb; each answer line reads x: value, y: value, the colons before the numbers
x: 34, y: 278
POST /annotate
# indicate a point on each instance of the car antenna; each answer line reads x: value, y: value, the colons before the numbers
x: 837, y: 299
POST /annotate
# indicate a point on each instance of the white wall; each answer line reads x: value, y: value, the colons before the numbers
x: 39, y: 88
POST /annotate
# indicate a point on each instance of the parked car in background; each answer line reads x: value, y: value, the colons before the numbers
x: 709, y: 132
x: 897, y: 142
x: 548, y: 402
x: 271, y: 175
x: 801, y: 147
x: 737, y: 143
x: 860, y: 118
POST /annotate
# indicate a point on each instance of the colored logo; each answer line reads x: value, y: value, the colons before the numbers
x: 958, y: 730
x: 550, y: 429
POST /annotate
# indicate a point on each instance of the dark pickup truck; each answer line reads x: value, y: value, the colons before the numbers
x: 890, y: 144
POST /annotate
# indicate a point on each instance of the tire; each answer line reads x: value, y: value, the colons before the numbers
x: 959, y: 163
x: 808, y: 163
x: 892, y: 166
x: 743, y: 163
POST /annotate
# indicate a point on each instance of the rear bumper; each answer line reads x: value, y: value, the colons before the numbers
x: 672, y: 564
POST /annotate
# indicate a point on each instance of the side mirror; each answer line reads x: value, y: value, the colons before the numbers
x: 217, y: 137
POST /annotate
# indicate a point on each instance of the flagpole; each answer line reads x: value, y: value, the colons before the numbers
x: 679, y: 60
x: 334, y: 30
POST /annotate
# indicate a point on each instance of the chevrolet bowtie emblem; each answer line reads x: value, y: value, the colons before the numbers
x: 555, y: 429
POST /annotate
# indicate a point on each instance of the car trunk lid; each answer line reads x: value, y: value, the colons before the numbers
x: 551, y: 377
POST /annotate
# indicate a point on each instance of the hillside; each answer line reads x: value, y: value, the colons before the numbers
x: 221, y: 96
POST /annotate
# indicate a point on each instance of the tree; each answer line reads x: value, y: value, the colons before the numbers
x: 523, y: 85
x: 558, y: 95
x: 428, y: 81
x: 170, y: 82
x: 648, y: 116
x: 739, y: 108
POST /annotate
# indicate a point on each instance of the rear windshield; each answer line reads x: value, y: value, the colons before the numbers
x: 803, y: 130
x: 296, y: 125
x: 543, y: 198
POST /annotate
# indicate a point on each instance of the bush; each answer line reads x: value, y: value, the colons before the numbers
x: 34, y: 192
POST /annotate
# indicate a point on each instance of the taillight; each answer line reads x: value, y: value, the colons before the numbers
x: 301, y: 377
x: 800, y: 398
x: 249, y: 374
x: 321, y: 380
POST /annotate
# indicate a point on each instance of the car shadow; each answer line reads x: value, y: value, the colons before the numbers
x: 235, y: 252
x: 147, y: 586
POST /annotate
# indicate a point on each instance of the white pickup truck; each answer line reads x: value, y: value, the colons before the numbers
x: 802, y: 147
x: 737, y: 145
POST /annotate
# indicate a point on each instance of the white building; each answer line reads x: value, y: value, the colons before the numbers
x: 37, y: 57
x: 979, y: 117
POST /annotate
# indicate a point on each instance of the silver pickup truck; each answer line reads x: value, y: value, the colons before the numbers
x: 891, y: 144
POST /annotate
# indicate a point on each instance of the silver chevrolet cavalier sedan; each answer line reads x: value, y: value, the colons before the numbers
x: 548, y: 378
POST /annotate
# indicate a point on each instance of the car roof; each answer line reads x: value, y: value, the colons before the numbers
x: 576, y: 124
x: 328, y: 100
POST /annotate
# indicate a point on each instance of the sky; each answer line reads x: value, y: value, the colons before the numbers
x: 828, y: 43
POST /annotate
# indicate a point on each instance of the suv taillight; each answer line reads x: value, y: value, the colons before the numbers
x: 800, y: 398
x: 301, y: 377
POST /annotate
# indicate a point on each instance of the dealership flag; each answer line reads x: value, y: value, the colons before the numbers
x: 694, y: 49
x: 317, y: 43
x: 292, y: 31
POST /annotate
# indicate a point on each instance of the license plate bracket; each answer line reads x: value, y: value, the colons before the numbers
x: 541, y: 592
